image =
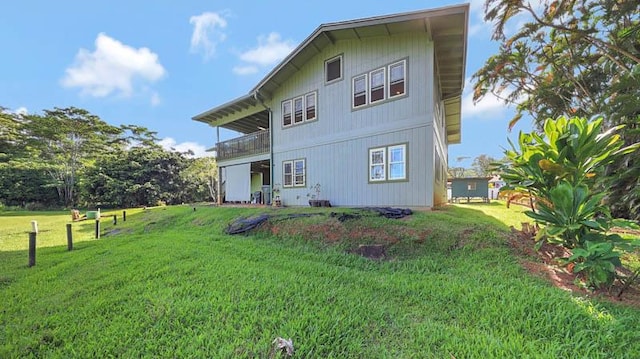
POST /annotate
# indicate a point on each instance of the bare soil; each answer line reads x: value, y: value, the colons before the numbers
x: 545, y: 264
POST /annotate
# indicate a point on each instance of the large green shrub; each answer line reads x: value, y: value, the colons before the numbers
x: 560, y: 168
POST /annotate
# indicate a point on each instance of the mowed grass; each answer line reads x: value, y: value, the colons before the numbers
x: 169, y: 283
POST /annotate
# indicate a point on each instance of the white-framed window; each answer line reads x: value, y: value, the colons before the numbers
x: 397, y: 76
x: 377, y: 83
x: 471, y: 186
x: 300, y: 109
x: 377, y: 164
x: 359, y: 91
x: 294, y: 173
x: 397, y: 162
x: 286, y: 113
x: 310, y: 106
x: 333, y: 69
x: 388, y: 163
x: 287, y: 173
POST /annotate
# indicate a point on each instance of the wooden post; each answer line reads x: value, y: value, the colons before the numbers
x: 115, y: 219
x: 69, y: 237
x: 124, y: 216
x: 32, y: 248
x: 34, y: 226
x: 97, y: 228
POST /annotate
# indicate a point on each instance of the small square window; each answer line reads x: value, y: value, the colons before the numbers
x: 471, y: 186
x: 333, y: 69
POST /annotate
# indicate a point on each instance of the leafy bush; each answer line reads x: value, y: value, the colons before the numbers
x: 598, y: 261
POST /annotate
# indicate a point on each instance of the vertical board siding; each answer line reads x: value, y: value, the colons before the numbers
x: 336, y: 145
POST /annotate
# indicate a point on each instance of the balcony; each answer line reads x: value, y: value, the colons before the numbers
x: 252, y: 144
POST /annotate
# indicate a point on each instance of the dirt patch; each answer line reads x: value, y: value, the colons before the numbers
x: 544, y: 263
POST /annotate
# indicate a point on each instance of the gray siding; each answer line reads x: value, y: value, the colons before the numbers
x: 336, y: 145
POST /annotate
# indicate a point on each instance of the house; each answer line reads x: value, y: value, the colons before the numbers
x: 470, y: 187
x: 366, y: 108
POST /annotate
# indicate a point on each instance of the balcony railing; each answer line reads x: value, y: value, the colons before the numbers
x: 251, y: 144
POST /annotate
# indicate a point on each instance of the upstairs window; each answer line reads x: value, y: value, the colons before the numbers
x: 298, y: 116
x: 377, y: 82
x: 378, y: 85
x: 333, y: 69
x: 359, y: 91
x: 310, y: 105
x: 286, y: 113
x: 397, y: 75
x: 300, y: 109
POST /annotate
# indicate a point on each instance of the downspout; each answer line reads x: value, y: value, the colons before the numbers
x: 219, y: 170
x: 256, y: 96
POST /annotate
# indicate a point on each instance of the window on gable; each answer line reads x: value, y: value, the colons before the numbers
x: 310, y: 105
x: 287, y: 173
x: 377, y: 161
x: 294, y: 173
x: 359, y: 91
x: 377, y: 81
x: 297, y: 110
x: 397, y: 162
x: 397, y: 75
x: 286, y: 113
x: 333, y: 69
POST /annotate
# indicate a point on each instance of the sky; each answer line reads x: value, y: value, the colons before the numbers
x: 158, y: 63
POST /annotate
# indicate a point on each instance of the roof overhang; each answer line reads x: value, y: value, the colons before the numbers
x: 245, y: 114
x: 446, y: 26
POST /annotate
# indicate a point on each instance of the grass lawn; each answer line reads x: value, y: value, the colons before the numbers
x: 169, y: 283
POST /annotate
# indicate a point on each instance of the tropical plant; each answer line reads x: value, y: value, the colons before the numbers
x: 597, y: 261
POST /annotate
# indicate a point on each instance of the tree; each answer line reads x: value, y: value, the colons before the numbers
x: 202, y: 174
x: 572, y: 58
x: 64, y: 141
x: 484, y: 165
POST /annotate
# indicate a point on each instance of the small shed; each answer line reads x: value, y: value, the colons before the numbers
x: 470, y: 187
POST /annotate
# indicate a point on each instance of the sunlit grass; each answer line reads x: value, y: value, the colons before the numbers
x: 169, y: 283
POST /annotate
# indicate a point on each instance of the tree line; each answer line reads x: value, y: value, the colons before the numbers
x: 68, y: 157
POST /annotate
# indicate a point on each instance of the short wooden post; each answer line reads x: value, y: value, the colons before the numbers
x: 194, y: 209
x: 124, y: 216
x: 32, y: 248
x: 69, y: 237
x: 34, y: 226
x: 115, y: 220
x: 97, y: 228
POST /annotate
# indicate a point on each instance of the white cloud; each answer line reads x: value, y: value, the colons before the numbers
x: 490, y: 107
x: 245, y: 70
x: 112, y: 68
x: 207, y: 33
x: 198, y: 150
x: 270, y: 50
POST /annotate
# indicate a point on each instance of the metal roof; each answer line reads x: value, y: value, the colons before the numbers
x: 446, y: 26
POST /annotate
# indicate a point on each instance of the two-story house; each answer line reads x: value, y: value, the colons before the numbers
x: 366, y: 108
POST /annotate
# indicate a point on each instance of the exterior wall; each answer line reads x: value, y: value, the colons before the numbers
x: 441, y: 153
x: 336, y: 145
x: 459, y: 187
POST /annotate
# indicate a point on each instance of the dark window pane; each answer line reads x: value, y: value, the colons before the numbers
x: 334, y: 69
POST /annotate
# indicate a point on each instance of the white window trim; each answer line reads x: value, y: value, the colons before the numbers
x: 404, y: 161
x: 404, y: 78
x: 304, y: 173
x: 326, y: 72
x: 291, y: 113
x: 284, y: 174
x: 315, y: 96
x: 293, y: 173
x: 302, y: 107
x: 353, y: 91
x: 384, y: 85
x: 384, y: 164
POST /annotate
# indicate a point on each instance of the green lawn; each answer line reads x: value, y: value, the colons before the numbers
x: 169, y: 283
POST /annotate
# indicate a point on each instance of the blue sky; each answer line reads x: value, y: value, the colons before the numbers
x: 158, y: 63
